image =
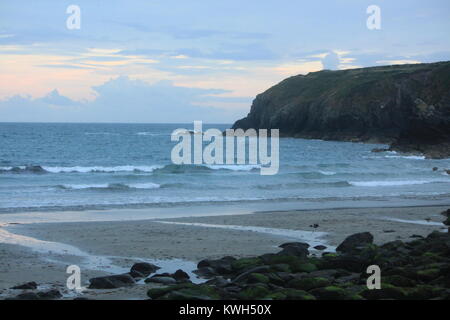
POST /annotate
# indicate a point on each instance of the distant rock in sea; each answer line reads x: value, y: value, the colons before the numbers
x: 407, y: 106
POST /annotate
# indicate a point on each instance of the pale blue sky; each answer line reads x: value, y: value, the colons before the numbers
x: 179, y: 61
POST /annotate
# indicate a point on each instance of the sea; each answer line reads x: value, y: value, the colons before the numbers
x: 67, y: 166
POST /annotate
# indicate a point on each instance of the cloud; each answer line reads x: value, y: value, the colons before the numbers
x: 126, y: 100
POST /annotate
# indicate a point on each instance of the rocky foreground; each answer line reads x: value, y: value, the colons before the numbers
x: 419, y: 269
x: 407, y: 106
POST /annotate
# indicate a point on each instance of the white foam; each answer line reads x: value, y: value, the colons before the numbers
x: 392, y: 183
x: 408, y: 157
x: 234, y: 167
x: 80, y: 169
x: 111, y: 186
x: 328, y: 173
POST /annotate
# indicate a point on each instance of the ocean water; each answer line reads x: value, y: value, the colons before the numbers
x: 95, y: 166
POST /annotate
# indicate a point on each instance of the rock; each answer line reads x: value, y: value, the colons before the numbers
x: 294, y: 244
x: 29, y: 285
x: 205, y: 272
x: 309, y: 283
x: 219, y: 266
x: 320, y: 247
x: 144, y: 268
x: 136, y: 274
x: 380, y: 149
x: 161, y: 280
x: 218, y: 281
x: 435, y: 168
x: 330, y: 293
x: 243, y: 275
x: 298, y: 249
x: 386, y: 292
x: 447, y: 171
x: 45, y: 295
x: 180, y: 275
x: 332, y: 105
x: 111, y: 282
x: 49, y: 295
x: 354, y: 241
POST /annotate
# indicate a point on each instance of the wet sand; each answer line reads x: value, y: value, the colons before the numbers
x: 41, y: 252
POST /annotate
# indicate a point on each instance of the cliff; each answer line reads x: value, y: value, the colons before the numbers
x: 407, y: 106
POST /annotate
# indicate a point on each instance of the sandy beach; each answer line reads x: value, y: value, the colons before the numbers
x: 41, y: 252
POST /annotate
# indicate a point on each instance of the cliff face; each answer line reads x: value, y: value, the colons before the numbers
x: 406, y: 105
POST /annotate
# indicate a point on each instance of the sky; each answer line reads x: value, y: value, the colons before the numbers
x: 171, y: 61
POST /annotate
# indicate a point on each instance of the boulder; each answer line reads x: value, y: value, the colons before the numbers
x: 111, y: 282
x: 298, y: 249
x: 180, y: 275
x: 354, y: 241
x: 29, y: 285
x: 144, y: 268
x: 165, y: 280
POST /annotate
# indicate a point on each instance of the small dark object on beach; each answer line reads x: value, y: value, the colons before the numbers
x: 416, y: 236
x: 315, y: 226
x: 388, y: 231
x: 320, y: 247
x: 29, y: 285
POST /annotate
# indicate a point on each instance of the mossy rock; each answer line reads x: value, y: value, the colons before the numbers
x: 245, y: 263
x: 277, y: 296
x: 428, y: 274
x: 304, y: 267
x: 295, y: 294
x: 387, y: 291
x: 275, y: 279
x: 424, y: 292
x: 156, y: 293
x: 257, y: 278
x: 254, y: 292
x: 281, y: 267
x: 196, y: 292
x: 283, y: 259
x: 309, y: 283
x: 331, y: 293
x: 400, y: 281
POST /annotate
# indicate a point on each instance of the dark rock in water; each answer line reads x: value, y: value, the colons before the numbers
x: 388, y: 231
x: 354, y: 241
x: 111, y: 282
x: 45, y: 295
x: 29, y: 285
x: 162, y: 280
x: 406, y: 105
x: 320, y: 247
x: 49, y: 295
x: 136, y: 274
x: 205, y: 272
x: 144, y: 268
x: 416, y: 236
x: 294, y: 244
x: 447, y: 172
x: 380, y: 149
x: 298, y: 249
x: 220, y: 266
x: 435, y: 168
x: 180, y: 275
